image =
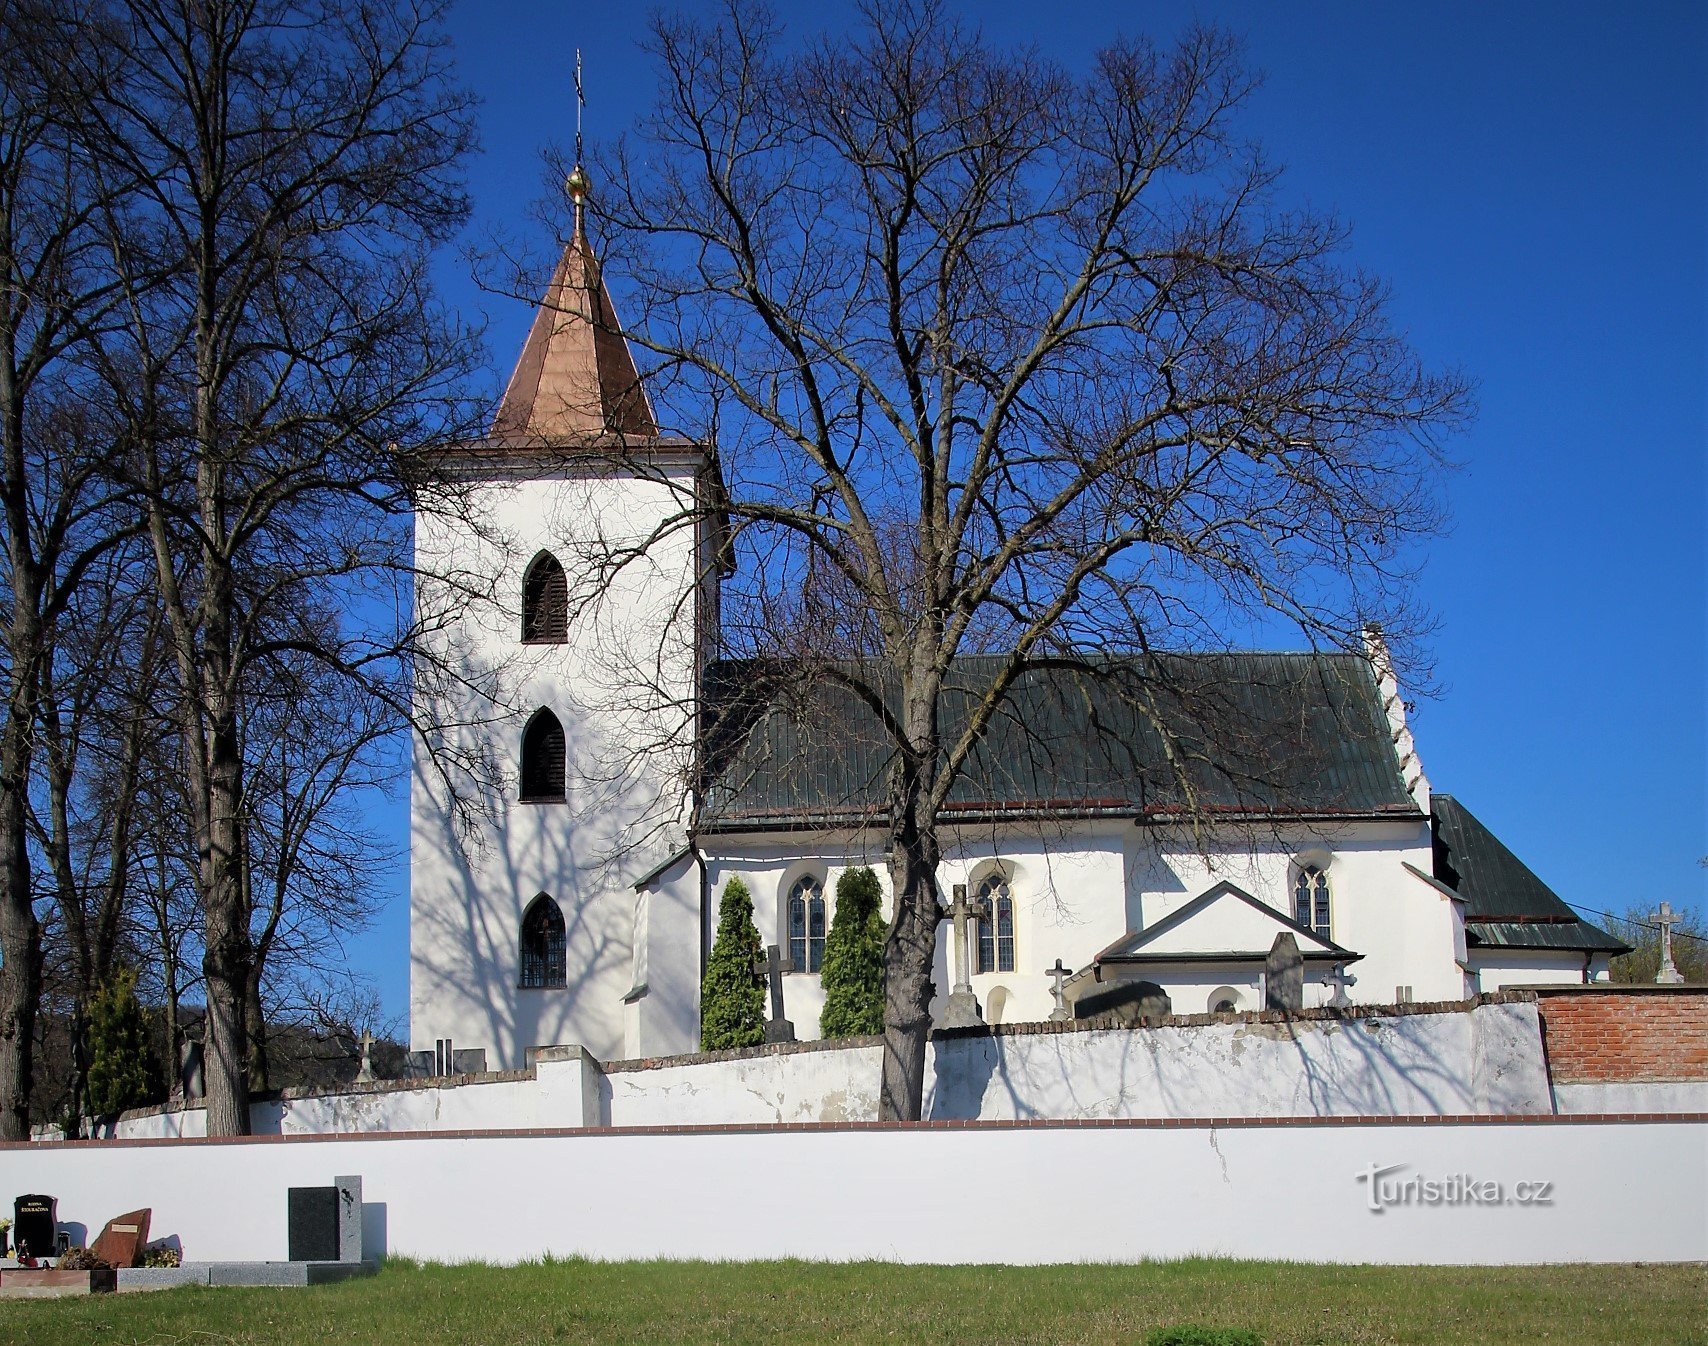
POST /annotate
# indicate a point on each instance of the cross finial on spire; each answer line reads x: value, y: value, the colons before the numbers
x: 576, y: 184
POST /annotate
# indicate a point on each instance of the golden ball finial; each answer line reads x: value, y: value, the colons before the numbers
x: 577, y: 185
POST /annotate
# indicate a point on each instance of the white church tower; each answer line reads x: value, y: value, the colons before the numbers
x: 567, y: 593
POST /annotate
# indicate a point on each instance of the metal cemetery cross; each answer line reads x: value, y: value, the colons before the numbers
x: 1666, y: 918
x: 1060, y: 1013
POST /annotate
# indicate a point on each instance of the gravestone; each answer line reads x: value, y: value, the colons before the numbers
x: 1129, y: 1002
x: 772, y: 966
x: 1666, y: 918
x: 1339, y: 979
x: 1284, y: 975
x: 190, y: 1071
x: 468, y: 1061
x: 962, y: 1011
x: 312, y: 1224
x: 120, y: 1243
x: 35, y: 1224
x: 1060, y: 1014
x: 349, y: 1218
x: 365, y: 1067
x: 324, y: 1224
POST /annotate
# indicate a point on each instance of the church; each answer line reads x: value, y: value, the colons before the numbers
x: 567, y: 891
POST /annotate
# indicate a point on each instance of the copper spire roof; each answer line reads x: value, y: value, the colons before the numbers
x: 575, y: 378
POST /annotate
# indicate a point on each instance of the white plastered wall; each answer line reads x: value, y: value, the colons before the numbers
x: 1496, y: 968
x: 619, y: 687
x: 1078, y: 886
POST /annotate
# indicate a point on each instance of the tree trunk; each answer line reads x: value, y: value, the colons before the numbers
x: 911, y: 947
x: 229, y: 959
x: 20, y: 951
x: 255, y: 1028
x: 909, y: 953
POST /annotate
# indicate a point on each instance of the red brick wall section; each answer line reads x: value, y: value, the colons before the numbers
x: 1641, y: 1034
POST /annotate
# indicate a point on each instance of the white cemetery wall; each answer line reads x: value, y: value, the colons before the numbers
x: 1487, y: 1059
x: 1568, y: 1190
x: 1622, y: 1096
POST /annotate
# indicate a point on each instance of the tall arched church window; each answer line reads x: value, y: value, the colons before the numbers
x: 996, y: 934
x: 544, y: 961
x: 545, y: 602
x: 1311, y: 900
x: 542, y: 757
x: 806, y: 924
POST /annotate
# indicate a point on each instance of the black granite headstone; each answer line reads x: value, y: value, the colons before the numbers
x: 313, y: 1224
x: 35, y: 1221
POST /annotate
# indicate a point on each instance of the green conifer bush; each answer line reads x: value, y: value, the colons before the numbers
x: 853, y: 969
x: 732, y: 998
x: 122, y: 1070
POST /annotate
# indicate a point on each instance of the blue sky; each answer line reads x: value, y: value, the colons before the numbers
x: 1533, y: 180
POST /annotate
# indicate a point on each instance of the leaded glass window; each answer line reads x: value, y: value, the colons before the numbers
x: 544, y: 958
x: 1310, y: 900
x: 996, y: 932
x: 806, y: 924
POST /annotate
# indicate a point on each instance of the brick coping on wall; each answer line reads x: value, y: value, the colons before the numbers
x: 1017, y: 1124
x: 1099, y: 1023
x: 1619, y: 988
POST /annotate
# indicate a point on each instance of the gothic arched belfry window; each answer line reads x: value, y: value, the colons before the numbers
x: 543, y: 766
x: 544, y: 960
x: 545, y: 602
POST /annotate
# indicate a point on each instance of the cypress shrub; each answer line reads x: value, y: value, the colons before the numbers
x: 122, y: 1070
x: 853, y: 969
x: 732, y: 998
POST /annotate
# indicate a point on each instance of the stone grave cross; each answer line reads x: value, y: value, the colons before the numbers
x: 1060, y: 1013
x: 772, y: 965
x: 1340, y: 979
x: 365, y: 1071
x: 1666, y: 918
x: 963, y: 1008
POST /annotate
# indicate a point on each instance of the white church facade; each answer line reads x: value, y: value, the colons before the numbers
x: 565, y: 876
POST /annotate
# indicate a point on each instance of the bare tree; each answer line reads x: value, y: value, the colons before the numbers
x: 97, y: 733
x: 1000, y: 358
x: 56, y: 497
x: 300, y: 163
x: 315, y: 747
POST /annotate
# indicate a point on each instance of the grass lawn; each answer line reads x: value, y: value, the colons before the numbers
x: 796, y: 1301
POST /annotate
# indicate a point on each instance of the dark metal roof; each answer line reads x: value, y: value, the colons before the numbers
x: 1296, y: 734
x: 1505, y: 902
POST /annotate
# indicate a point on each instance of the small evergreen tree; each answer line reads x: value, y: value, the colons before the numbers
x: 122, y: 1070
x: 854, y: 959
x: 732, y: 998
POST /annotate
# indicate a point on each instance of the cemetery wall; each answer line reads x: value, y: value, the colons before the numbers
x: 1446, y: 1190
x: 1625, y: 1033
x: 1413, y: 1060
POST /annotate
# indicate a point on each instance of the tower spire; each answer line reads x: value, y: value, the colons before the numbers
x: 576, y: 378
